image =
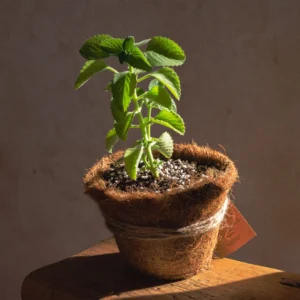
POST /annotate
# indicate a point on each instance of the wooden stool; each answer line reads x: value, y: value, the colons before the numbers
x: 100, y: 273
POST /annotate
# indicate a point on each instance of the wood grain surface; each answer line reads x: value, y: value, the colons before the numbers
x: 100, y: 273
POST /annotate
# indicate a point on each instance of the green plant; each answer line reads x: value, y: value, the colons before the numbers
x: 128, y: 100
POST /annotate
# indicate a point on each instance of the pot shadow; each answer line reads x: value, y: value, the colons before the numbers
x: 88, y: 277
x: 107, y: 275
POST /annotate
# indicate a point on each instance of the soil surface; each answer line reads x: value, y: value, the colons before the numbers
x: 173, y: 174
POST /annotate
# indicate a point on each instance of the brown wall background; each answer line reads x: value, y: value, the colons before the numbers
x: 240, y: 89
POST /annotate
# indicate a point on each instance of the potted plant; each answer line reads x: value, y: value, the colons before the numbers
x: 164, y: 202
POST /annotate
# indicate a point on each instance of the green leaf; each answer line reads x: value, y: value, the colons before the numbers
x: 160, y: 97
x: 165, y: 145
x: 111, y: 139
x: 138, y: 60
x: 138, y: 71
x: 123, y: 86
x: 132, y: 157
x: 171, y: 120
x: 123, y: 126
x: 164, y: 52
x: 128, y: 44
x: 118, y: 114
x: 141, y: 43
x: 122, y: 57
x: 119, y: 161
x: 174, y: 107
x: 114, y: 46
x: 139, y: 91
x: 153, y: 83
x: 90, y: 68
x: 91, y: 49
x: 169, y: 78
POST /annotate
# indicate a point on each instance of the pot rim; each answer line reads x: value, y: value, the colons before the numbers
x: 223, y: 174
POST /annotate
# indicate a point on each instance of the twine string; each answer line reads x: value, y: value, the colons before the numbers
x: 140, y: 232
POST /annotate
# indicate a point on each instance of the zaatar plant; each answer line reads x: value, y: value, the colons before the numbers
x: 154, y: 220
x: 150, y: 60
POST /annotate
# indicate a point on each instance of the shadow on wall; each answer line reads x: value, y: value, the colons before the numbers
x: 108, y: 277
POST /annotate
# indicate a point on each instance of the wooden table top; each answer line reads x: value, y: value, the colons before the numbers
x: 100, y: 273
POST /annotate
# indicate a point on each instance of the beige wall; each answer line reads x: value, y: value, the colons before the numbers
x: 240, y: 89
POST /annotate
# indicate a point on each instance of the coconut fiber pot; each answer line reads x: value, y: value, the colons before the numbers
x: 148, y: 226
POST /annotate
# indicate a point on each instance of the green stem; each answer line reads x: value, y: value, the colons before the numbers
x: 145, y: 160
x: 145, y: 129
x: 149, y: 122
x: 149, y: 150
x: 145, y: 135
x: 154, y: 171
x: 131, y: 69
x: 112, y: 69
x: 141, y: 96
x: 140, y: 116
x: 143, y: 78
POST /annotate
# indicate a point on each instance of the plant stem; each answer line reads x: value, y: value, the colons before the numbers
x: 145, y: 135
x: 140, y: 116
x: 143, y: 78
x: 112, y: 69
x: 149, y: 122
x: 135, y: 126
x: 145, y: 129
x: 154, y: 171
x: 141, y: 96
x: 149, y: 150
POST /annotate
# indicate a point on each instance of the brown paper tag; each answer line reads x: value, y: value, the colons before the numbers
x: 235, y: 232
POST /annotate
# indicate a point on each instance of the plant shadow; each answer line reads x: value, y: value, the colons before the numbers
x: 107, y: 276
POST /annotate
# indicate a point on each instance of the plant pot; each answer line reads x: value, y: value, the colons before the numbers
x: 172, y: 256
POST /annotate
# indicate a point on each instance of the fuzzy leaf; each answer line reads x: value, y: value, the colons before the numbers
x: 114, y: 46
x: 123, y: 86
x: 138, y: 71
x: 165, y: 145
x: 91, y: 49
x: 119, y: 161
x: 138, y: 60
x: 153, y: 83
x: 164, y: 52
x: 90, y: 68
x: 132, y: 157
x: 141, y: 43
x: 169, y: 78
x: 139, y: 91
x: 128, y: 44
x: 118, y: 114
x: 122, y: 57
x: 171, y: 120
x: 174, y: 107
x: 123, y: 126
x: 160, y: 97
x: 111, y: 139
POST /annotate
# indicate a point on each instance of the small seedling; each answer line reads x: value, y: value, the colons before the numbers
x: 160, y: 53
